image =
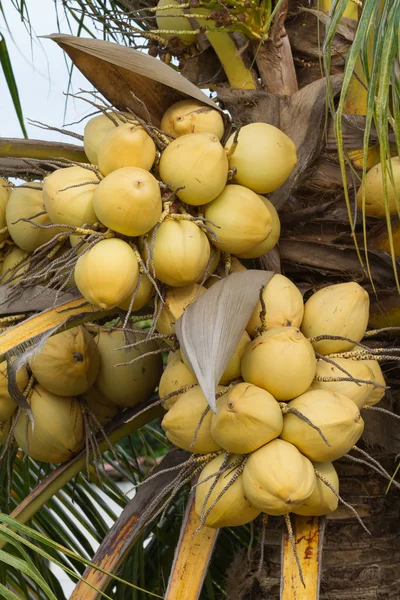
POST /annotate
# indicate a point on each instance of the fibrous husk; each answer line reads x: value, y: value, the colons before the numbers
x: 182, y: 419
x: 7, y: 405
x: 322, y: 501
x: 5, y: 190
x: 100, y: 406
x: 25, y: 203
x: 264, y: 157
x: 239, y: 219
x: 233, y: 508
x: 198, y: 162
x: 376, y: 393
x: 247, y: 417
x: 95, y: 131
x: 336, y: 416
x: 375, y: 205
x: 284, y: 306
x: 68, y: 363
x: 358, y: 392
x: 181, y: 252
x: 281, y: 361
x: 176, y: 301
x: 59, y: 428
x: 232, y: 369
x: 128, y: 145
x: 143, y: 295
x: 10, y: 268
x: 128, y: 201
x: 68, y: 196
x: 107, y: 273
x: 270, y: 242
x: 131, y: 384
x: 175, y: 376
x: 338, y: 310
x: 191, y: 116
x: 277, y: 478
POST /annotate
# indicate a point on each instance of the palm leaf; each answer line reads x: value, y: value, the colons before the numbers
x: 6, y: 65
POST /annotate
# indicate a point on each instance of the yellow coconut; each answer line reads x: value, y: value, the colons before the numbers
x: 171, y: 23
x: 283, y: 305
x: 192, y: 116
x: 182, y: 420
x: 335, y: 415
x: 337, y: 310
x: 11, y: 268
x: 7, y: 405
x: 128, y: 201
x: 68, y: 196
x: 131, y: 384
x: 322, y: 501
x: 281, y: 361
x: 99, y: 406
x: 277, y: 478
x: 107, y: 273
x: 376, y: 393
x: 68, y: 363
x: 126, y: 146
x: 236, y: 267
x: 176, y: 300
x: 5, y: 190
x: 247, y: 417
x: 359, y: 393
x: 374, y: 190
x: 232, y: 369
x: 197, y: 162
x: 181, y: 252
x: 264, y: 157
x: 175, y: 376
x: 233, y: 508
x: 272, y: 239
x: 59, y: 431
x: 25, y: 203
x: 239, y: 219
x: 95, y: 131
x: 143, y: 295
x: 215, y: 257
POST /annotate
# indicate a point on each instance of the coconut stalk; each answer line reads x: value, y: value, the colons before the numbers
x: 40, y: 150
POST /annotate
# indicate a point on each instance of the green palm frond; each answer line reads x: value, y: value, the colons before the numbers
x: 9, y: 76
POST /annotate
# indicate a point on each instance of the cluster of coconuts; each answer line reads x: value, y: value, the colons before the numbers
x: 75, y: 387
x: 288, y: 405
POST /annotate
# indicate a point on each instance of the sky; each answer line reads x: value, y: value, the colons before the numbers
x: 41, y: 72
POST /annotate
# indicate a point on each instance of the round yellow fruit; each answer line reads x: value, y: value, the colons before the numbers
x: 5, y: 191
x: 59, y: 430
x: 374, y: 190
x: 239, y: 219
x: 68, y: 363
x: 128, y: 201
x: 192, y: 116
x: 182, y: 419
x: 11, y: 265
x: 247, y: 417
x: 277, y: 478
x: 264, y: 157
x: 376, y: 393
x: 175, y: 376
x: 322, y: 501
x: 131, y: 384
x: 143, y: 295
x: 197, y: 162
x: 68, y: 196
x: 283, y: 305
x: 101, y: 410
x: 270, y: 242
x: 358, y: 392
x: 181, y: 252
x: 175, y: 302
x: 7, y: 404
x: 336, y: 310
x: 171, y: 23
x: 95, y: 131
x: 281, y: 361
x: 107, y: 273
x: 233, y: 508
x: 126, y: 146
x: 25, y: 203
x: 336, y: 416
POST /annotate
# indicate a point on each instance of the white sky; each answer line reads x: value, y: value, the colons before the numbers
x: 41, y: 73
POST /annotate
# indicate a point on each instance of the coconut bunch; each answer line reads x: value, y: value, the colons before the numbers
x: 73, y: 389
x: 288, y: 405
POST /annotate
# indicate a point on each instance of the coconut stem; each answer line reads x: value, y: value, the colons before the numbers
x: 263, y: 311
x: 332, y: 362
x: 382, y: 410
x: 199, y: 424
x: 264, y: 522
x: 293, y: 544
x: 286, y: 409
x: 251, y: 542
x: 320, y: 338
x: 376, y: 463
x: 232, y: 480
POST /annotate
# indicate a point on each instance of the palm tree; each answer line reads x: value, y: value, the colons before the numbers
x: 326, y: 73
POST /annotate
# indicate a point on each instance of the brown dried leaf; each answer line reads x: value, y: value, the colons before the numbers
x: 210, y: 329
